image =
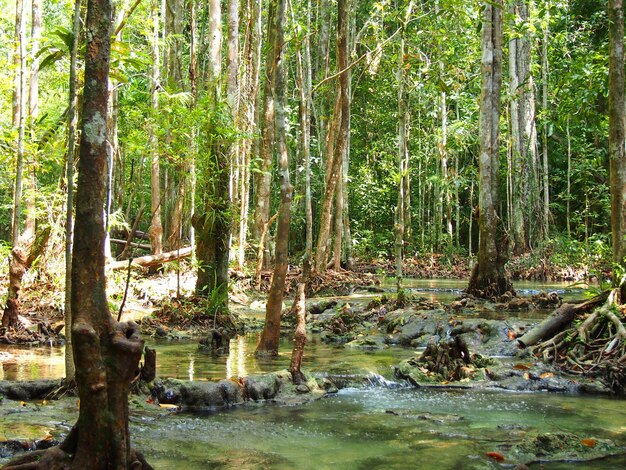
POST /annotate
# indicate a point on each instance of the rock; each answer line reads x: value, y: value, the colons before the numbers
x: 161, y: 332
x: 262, y: 387
x: 368, y: 343
x: 198, y: 395
x: 321, y: 307
x: 28, y: 389
x: 562, y: 447
x: 518, y: 304
x: 302, y: 388
x: 457, y: 305
x: 218, y: 342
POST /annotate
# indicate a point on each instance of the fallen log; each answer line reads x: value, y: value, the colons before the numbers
x: 559, y: 319
x: 143, y: 246
x: 152, y: 260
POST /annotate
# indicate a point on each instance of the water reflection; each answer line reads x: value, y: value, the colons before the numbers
x: 24, y: 363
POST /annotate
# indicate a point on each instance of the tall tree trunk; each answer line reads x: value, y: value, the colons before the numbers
x: 617, y: 151
x: 193, y: 77
x: 342, y: 134
x: 106, y: 353
x: 544, y: 130
x: 304, y: 142
x: 232, y: 98
x: 264, y: 177
x: 525, y: 198
x: 488, y: 278
x: 35, y: 37
x: 19, y: 114
x: 402, y: 168
x: 213, y: 224
x: 568, y: 190
x: 156, y: 227
x: 248, y: 107
x: 69, y: 213
x: 339, y: 216
x: 268, y: 344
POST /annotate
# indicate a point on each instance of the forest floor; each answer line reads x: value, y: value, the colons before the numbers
x: 169, y: 290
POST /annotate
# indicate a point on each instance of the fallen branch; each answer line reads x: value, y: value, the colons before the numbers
x: 153, y: 260
x: 559, y: 320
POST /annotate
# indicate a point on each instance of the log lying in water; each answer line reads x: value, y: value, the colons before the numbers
x: 559, y: 319
x: 153, y: 260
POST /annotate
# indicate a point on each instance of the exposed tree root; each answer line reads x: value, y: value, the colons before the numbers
x: 596, y: 347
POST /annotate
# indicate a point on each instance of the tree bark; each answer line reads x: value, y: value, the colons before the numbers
x: 213, y: 225
x: 488, y: 278
x: 106, y: 353
x: 402, y: 161
x: 263, y: 177
x: 248, y: 107
x: 544, y: 130
x: 69, y: 213
x: 525, y: 194
x: 156, y: 227
x: 340, y: 146
x: 19, y: 115
x: 299, y: 310
x: 617, y: 151
x: 268, y: 344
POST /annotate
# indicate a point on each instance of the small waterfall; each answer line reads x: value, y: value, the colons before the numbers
x: 376, y: 380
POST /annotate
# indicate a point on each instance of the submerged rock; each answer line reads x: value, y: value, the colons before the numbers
x: 27, y: 390
x: 276, y: 386
x: 564, y: 447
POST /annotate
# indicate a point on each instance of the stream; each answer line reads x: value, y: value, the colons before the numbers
x: 385, y: 425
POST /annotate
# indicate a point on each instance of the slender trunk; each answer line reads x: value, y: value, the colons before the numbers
x: 35, y: 37
x: 232, y: 65
x: 402, y: 169
x: 305, y: 79
x: 193, y: 76
x: 252, y: 58
x: 156, y: 227
x: 339, y: 200
x: 342, y: 134
x: 544, y: 131
x: 19, y: 115
x: 488, y: 278
x: 232, y: 98
x: 299, y: 310
x: 263, y: 178
x: 568, y: 193
x: 525, y: 194
x: 617, y: 151
x: 268, y: 344
x: 69, y: 214
x: 213, y: 224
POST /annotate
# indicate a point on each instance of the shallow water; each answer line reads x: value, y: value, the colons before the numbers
x: 368, y: 428
x: 377, y: 428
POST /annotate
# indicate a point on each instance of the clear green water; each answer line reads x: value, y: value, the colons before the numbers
x: 369, y: 428
x: 354, y: 430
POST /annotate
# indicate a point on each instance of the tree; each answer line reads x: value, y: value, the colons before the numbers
x: 488, y: 278
x: 268, y: 344
x: 213, y: 221
x: 341, y: 120
x: 525, y: 197
x: 106, y: 353
x: 617, y: 151
x: 156, y: 227
x: 403, y: 155
x: 69, y: 177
